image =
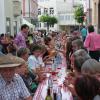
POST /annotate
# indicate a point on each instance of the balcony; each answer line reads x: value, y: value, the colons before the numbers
x: 77, y: 3
x: 16, y: 8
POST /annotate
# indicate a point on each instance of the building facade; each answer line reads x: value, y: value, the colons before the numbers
x: 63, y: 10
x: 13, y: 13
x: 65, y: 13
x: 96, y: 14
x: 9, y: 14
x: 30, y: 11
x: 46, y: 7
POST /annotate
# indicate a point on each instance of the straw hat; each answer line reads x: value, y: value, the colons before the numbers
x: 10, y: 61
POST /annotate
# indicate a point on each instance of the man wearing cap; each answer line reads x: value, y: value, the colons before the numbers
x: 12, y: 86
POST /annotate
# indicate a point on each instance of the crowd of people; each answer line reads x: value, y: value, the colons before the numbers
x: 24, y: 57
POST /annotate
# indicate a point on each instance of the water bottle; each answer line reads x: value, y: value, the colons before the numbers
x: 54, y: 65
x: 59, y: 94
x: 58, y: 59
x: 50, y: 82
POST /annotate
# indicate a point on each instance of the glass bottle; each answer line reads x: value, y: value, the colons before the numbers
x: 48, y: 97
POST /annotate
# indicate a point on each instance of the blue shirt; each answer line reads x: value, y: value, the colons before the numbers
x: 83, y: 32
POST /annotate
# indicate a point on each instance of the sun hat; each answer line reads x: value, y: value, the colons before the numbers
x: 10, y: 61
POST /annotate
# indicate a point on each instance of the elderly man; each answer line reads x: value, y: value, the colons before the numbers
x: 12, y: 86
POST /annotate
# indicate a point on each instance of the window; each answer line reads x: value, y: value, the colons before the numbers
x: 51, y: 25
x: 45, y: 24
x: 68, y: 17
x: 8, y: 25
x: 45, y: 10
x: 51, y: 11
x: 39, y: 24
x: 39, y: 11
x: 61, y: 17
x: 15, y: 27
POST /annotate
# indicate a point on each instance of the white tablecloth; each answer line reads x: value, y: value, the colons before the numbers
x: 42, y: 88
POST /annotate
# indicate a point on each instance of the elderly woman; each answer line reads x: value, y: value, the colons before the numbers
x: 78, y: 58
x: 77, y: 44
x: 91, y: 67
x: 30, y: 79
x: 23, y: 53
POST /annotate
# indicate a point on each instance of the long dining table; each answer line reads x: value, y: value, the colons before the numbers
x: 41, y: 91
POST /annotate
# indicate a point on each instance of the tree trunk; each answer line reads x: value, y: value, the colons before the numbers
x: 47, y: 27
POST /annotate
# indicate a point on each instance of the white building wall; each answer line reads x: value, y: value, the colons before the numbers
x: 9, y: 14
x: 63, y: 10
x: 2, y: 17
x: 7, y: 17
x: 48, y: 4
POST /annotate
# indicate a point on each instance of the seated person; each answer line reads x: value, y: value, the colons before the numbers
x: 11, y: 48
x: 77, y: 44
x: 35, y: 60
x: 12, y: 86
x: 87, y: 88
x: 91, y: 67
x: 77, y: 60
x: 28, y: 77
x: 23, y: 53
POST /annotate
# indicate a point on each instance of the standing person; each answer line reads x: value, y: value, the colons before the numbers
x: 12, y: 86
x: 92, y: 43
x: 84, y: 33
x: 20, y: 39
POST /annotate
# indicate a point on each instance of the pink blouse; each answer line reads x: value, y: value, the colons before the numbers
x: 92, y: 41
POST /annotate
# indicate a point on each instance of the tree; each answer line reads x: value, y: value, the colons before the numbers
x: 79, y: 14
x: 49, y: 20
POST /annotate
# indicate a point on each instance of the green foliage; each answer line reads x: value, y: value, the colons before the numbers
x: 49, y: 19
x: 79, y: 14
x: 53, y: 20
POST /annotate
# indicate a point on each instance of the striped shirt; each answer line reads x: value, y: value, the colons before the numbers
x: 16, y: 90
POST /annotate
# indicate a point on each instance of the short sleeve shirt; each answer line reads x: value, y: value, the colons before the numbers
x: 16, y: 90
x: 34, y: 62
x: 20, y: 40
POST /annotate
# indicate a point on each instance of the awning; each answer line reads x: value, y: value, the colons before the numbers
x: 28, y: 23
